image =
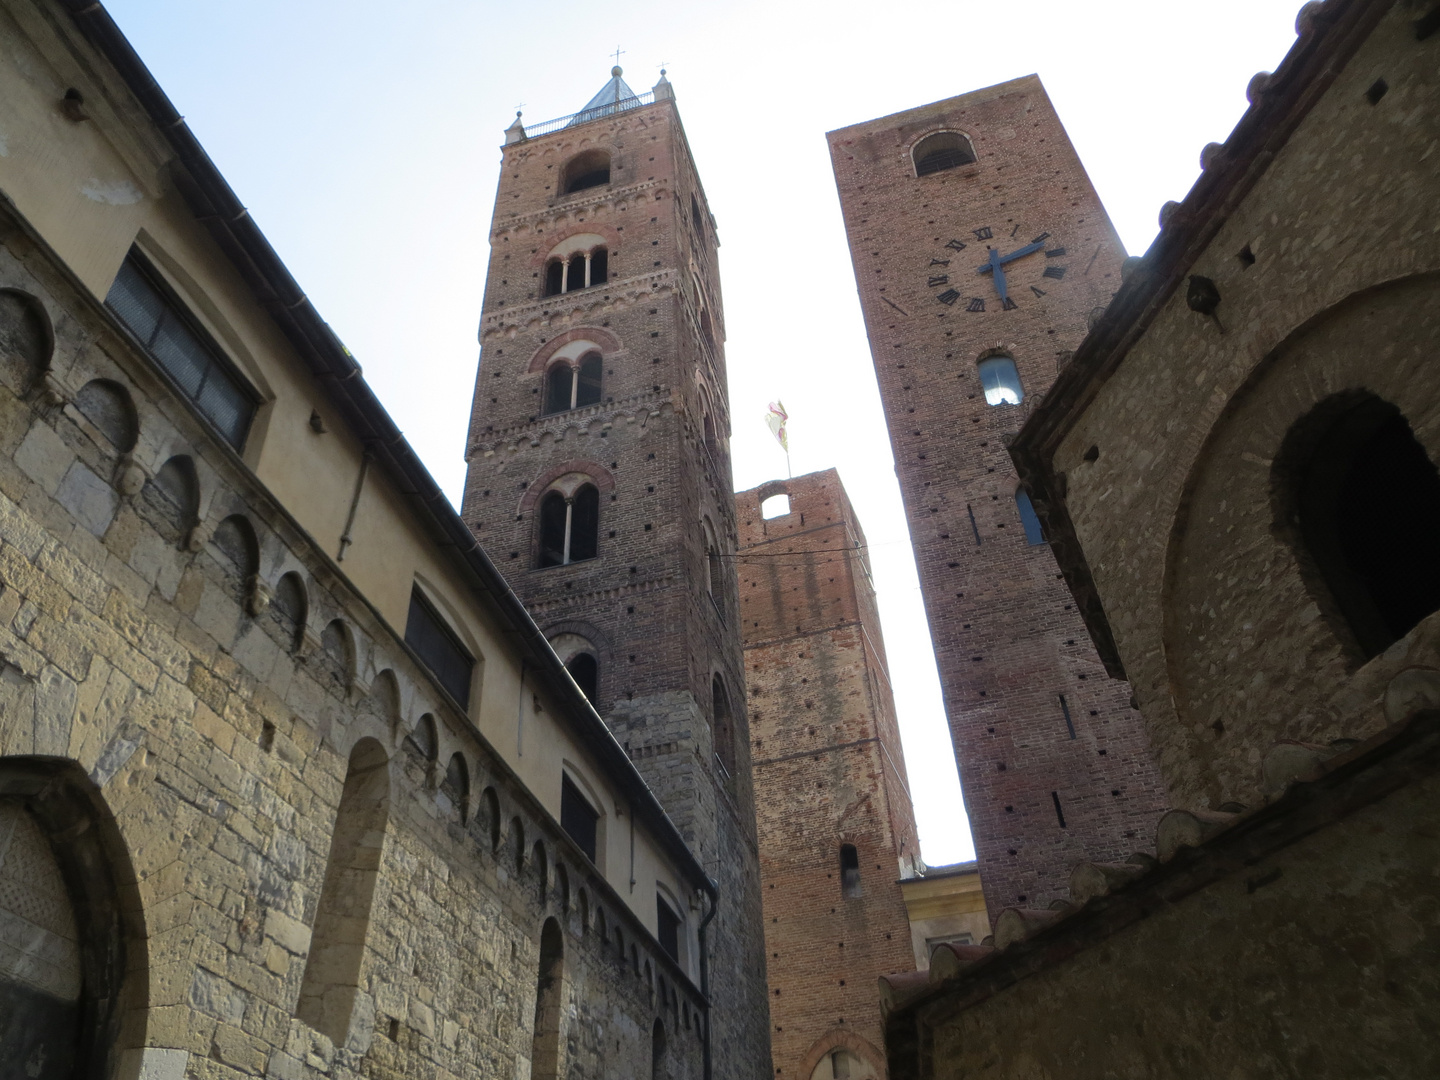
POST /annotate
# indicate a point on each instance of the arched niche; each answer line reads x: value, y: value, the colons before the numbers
x: 26, y: 340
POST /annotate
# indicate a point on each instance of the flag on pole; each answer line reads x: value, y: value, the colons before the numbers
x: 775, y: 419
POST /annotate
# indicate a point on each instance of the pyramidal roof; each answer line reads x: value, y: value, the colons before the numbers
x: 613, y: 97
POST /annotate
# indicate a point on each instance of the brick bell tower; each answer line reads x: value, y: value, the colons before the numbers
x: 599, y: 481
x: 980, y: 247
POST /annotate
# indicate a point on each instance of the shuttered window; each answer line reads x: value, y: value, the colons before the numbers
x: 182, y: 350
x: 436, y: 644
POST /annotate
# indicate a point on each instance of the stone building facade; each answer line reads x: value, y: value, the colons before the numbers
x: 836, y: 825
x: 1238, y: 474
x: 288, y: 776
x: 980, y: 249
x: 599, y: 475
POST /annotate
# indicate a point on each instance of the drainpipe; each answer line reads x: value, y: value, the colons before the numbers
x: 714, y: 892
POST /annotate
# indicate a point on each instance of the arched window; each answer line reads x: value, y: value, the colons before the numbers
x: 723, y: 728
x: 1000, y: 380
x: 585, y: 670
x: 941, y: 151
x: 574, y: 386
x: 696, y: 218
x: 775, y: 506
x: 716, y: 565
x: 587, y: 170
x: 849, y: 871
x: 1034, y: 531
x: 569, y: 526
x: 237, y: 554
x: 545, y: 1043
x: 580, y: 271
x: 331, y: 982
x: 422, y: 740
x: 1366, y: 499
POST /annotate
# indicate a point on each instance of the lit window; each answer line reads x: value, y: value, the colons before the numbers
x: 181, y: 349
x: 775, y: 506
x: 569, y: 526
x: 1000, y: 381
x: 1034, y: 531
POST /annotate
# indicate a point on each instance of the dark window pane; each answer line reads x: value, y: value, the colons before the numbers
x: 436, y: 645
x: 576, y: 278
x: 557, y: 387
x: 587, y: 391
x: 554, y: 276
x: 586, y: 673
x: 585, y: 524
x: 181, y: 351
x: 577, y: 817
x: 599, y: 267
x: 552, y: 529
x: 667, y: 925
x: 849, y: 870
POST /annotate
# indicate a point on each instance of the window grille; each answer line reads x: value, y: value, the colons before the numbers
x: 436, y: 644
x: 181, y: 349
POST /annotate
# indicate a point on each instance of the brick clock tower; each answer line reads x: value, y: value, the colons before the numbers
x: 599, y: 482
x: 980, y: 247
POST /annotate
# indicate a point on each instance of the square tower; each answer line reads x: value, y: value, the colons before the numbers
x: 599, y: 480
x: 837, y: 829
x: 980, y: 249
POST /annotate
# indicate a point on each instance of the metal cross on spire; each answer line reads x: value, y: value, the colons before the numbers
x: 618, y: 51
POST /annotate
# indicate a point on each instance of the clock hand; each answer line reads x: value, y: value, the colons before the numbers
x: 995, y: 267
x: 1017, y: 253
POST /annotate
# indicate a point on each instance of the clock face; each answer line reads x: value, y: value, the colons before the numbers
x: 990, y: 273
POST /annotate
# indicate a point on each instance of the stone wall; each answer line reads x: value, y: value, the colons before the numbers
x: 210, y: 733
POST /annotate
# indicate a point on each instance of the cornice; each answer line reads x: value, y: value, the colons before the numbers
x: 558, y: 312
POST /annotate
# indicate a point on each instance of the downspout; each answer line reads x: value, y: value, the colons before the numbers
x: 714, y: 891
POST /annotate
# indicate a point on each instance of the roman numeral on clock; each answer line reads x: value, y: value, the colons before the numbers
x: 1037, y: 290
x: 1009, y: 305
x: 983, y: 234
x: 956, y: 245
x: 939, y: 262
x: 1056, y: 272
x: 977, y: 303
x: 949, y: 296
x: 1055, y: 253
x: 1041, y: 238
x: 938, y: 280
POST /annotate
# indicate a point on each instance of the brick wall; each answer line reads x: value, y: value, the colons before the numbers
x: 828, y: 771
x: 1008, y: 641
x: 645, y: 602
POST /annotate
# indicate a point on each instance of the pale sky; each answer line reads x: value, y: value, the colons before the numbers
x: 364, y: 137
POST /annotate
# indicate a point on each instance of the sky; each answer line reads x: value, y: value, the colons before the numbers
x: 364, y: 138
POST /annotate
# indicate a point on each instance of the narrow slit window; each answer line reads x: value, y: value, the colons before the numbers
x: 436, y: 644
x: 849, y: 871
x: 173, y: 340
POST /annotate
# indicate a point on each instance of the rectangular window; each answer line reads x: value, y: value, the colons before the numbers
x: 183, y: 351
x: 668, y: 926
x: 435, y: 643
x: 577, y: 817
